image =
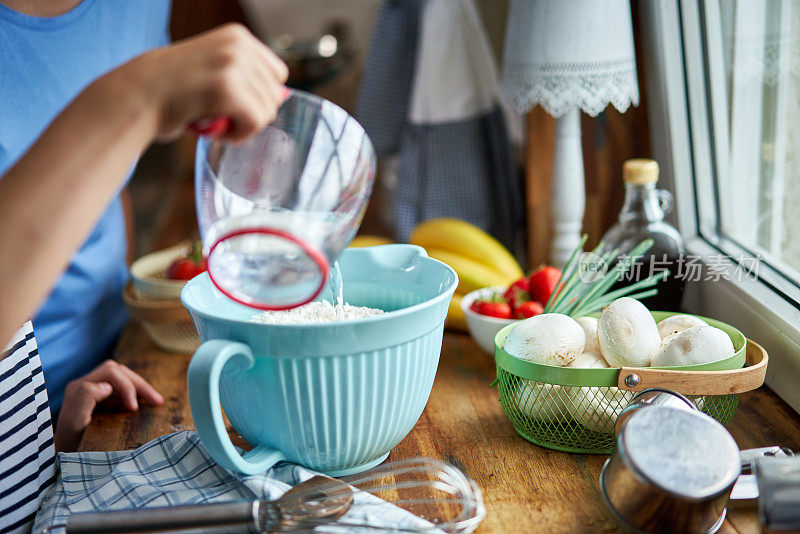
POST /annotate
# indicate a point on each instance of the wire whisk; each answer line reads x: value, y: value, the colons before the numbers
x: 424, y: 494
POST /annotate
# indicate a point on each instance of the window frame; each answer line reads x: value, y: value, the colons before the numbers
x: 683, y: 121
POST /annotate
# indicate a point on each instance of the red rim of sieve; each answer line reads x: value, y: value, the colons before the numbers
x: 313, y: 252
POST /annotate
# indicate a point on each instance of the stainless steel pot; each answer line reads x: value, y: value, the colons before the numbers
x: 672, y: 471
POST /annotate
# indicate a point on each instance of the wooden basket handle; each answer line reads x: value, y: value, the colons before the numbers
x: 156, y: 311
x: 748, y: 378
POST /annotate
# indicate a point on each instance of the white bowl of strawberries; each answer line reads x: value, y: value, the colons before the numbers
x: 489, y: 309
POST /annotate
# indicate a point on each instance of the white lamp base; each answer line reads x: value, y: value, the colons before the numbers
x: 568, y: 194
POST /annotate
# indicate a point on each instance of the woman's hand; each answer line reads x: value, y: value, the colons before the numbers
x: 82, y: 395
x: 80, y: 161
x: 225, y: 72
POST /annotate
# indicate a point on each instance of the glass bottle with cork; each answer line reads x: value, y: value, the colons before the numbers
x: 642, y: 217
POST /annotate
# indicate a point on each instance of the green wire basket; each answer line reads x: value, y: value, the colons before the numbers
x: 574, y: 410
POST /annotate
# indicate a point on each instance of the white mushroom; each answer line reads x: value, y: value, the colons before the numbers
x: 698, y: 344
x: 678, y: 323
x: 589, y: 325
x: 595, y: 408
x: 588, y: 360
x: 545, y: 403
x: 627, y: 334
x: 669, y: 338
x: 550, y: 338
x: 598, y: 408
x: 700, y: 402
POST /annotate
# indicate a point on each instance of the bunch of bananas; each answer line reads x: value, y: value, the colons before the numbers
x: 366, y: 240
x: 477, y: 257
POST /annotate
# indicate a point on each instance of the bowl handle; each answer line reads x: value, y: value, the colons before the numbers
x: 203, y: 378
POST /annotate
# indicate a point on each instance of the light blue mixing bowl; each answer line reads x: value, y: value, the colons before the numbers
x: 334, y: 397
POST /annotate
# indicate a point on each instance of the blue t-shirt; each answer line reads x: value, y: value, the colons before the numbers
x: 44, y: 63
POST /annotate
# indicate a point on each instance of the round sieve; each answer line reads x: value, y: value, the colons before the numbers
x: 267, y: 268
x: 275, y: 211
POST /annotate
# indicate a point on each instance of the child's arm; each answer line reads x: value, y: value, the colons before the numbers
x: 53, y: 196
x: 82, y: 395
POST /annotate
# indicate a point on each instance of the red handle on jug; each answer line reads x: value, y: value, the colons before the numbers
x: 218, y: 126
x: 215, y: 127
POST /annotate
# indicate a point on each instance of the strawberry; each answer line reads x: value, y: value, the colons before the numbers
x: 186, y: 268
x: 528, y: 309
x: 517, y: 293
x: 542, y: 283
x: 495, y: 307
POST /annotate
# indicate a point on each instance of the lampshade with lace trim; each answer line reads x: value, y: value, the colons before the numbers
x: 569, y: 56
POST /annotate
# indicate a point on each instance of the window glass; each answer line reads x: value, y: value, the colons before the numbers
x: 757, y: 157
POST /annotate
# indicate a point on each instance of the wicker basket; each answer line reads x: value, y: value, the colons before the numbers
x: 154, y: 301
x: 574, y: 410
x: 149, y: 274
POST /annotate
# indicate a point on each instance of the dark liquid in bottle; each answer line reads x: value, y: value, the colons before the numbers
x: 670, y: 290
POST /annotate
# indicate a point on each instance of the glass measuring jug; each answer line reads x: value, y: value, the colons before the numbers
x: 275, y: 212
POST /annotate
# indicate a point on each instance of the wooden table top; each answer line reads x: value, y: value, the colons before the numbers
x: 526, y: 488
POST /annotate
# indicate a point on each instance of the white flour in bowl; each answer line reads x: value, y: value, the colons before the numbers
x: 314, y: 313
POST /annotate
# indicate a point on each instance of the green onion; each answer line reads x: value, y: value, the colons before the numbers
x: 561, y: 281
x: 577, y: 298
x: 601, y: 303
x: 600, y: 287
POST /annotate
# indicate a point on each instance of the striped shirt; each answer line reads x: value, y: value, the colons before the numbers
x: 27, y: 455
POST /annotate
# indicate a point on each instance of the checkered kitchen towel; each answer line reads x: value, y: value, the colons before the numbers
x: 429, y: 94
x: 176, y: 469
